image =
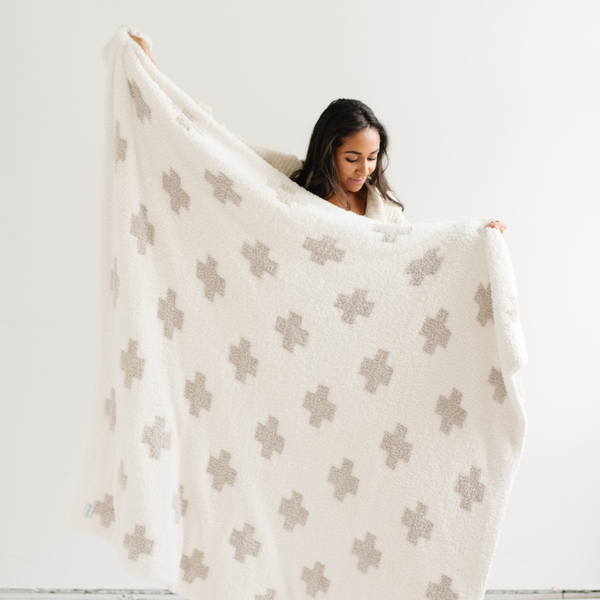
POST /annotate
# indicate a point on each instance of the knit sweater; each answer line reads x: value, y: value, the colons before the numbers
x: 378, y: 207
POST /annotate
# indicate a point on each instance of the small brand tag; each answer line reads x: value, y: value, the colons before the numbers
x: 88, y: 510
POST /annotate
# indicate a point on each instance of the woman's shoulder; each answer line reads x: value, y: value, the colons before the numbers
x: 392, y: 210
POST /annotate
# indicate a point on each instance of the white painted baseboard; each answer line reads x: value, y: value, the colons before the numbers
x: 65, y: 594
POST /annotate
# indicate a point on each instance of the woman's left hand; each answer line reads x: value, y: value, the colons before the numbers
x: 499, y: 225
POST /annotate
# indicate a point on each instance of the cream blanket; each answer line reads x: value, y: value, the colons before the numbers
x: 291, y: 401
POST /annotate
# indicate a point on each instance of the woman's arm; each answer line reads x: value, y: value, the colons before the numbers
x: 499, y: 225
x: 398, y: 216
x: 285, y: 163
x: 143, y: 46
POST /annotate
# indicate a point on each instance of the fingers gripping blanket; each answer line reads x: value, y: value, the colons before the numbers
x: 291, y: 401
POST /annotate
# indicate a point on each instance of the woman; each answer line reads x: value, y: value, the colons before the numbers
x: 344, y: 160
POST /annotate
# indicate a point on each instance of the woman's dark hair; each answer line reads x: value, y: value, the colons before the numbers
x: 341, y: 119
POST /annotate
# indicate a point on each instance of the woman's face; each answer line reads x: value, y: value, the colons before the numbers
x: 356, y: 158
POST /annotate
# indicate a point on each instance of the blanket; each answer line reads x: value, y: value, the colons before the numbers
x: 291, y: 400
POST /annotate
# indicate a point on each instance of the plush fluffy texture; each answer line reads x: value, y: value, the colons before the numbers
x: 291, y: 401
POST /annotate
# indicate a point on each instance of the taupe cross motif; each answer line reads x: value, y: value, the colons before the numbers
x: 319, y: 406
x: 187, y: 120
x: 293, y: 511
x: 376, y: 371
x: 184, y: 122
x: 244, y: 543
x: 115, y: 281
x: 141, y: 108
x: 120, y: 145
x: 189, y: 115
x: 470, y: 488
x: 354, y: 305
x: 323, y: 250
x: 110, y: 409
x: 130, y: 363
x: 513, y: 309
x: 344, y: 481
x: 138, y: 543
x: 419, y: 525
x: 170, y: 314
x: 292, y: 331
x: 428, y: 265
x: 172, y: 184
x: 259, y: 261
x: 435, y: 331
x: 268, y: 436
x: 222, y: 187
x: 221, y: 470
x: 451, y: 411
x: 156, y: 437
x: 389, y: 233
x: 315, y: 580
x: 243, y: 361
x: 142, y: 229
x: 497, y: 380
x: 270, y: 595
x: 213, y: 283
x: 106, y: 510
x: 196, y: 393
x: 483, y: 297
x: 122, y: 477
x: 441, y: 591
x: 179, y: 505
x: 193, y: 567
x: 396, y: 446
x: 284, y: 192
x: 366, y: 552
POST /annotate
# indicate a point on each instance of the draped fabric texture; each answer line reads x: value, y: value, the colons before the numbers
x: 291, y: 401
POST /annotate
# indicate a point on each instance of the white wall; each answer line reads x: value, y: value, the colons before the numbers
x: 493, y: 109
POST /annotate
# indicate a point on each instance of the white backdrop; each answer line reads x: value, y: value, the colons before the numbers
x: 493, y: 108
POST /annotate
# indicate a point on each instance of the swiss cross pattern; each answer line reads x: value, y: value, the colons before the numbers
x: 293, y: 332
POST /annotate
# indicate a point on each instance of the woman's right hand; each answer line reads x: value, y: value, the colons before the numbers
x: 143, y: 46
